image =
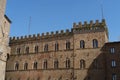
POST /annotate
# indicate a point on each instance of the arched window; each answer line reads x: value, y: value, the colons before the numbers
x: 45, y: 64
x: 18, y: 50
x: 67, y: 63
x: 82, y: 44
x: 95, y: 43
x: 67, y: 45
x: 56, y: 46
x: 35, y: 65
x: 25, y: 66
x: 82, y: 64
x: 46, y: 47
x: 16, y: 66
x: 27, y: 50
x: 56, y: 63
x: 36, y: 49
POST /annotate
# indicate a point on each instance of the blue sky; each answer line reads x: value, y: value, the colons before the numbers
x: 52, y: 15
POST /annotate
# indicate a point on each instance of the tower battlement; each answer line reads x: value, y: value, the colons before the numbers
x: 77, y: 28
x: 90, y: 24
x: 86, y: 27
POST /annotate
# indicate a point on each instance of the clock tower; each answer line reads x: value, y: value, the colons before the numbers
x: 4, y: 38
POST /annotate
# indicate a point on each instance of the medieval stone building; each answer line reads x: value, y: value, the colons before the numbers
x: 82, y: 53
x: 4, y: 38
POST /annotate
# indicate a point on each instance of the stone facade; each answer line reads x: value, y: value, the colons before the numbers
x: 76, y: 54
x: 4, y: 38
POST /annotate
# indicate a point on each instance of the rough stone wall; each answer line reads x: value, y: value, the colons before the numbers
x: 89, y: 54
x: 62, y: 54
x: 4, y: 39
x: 75, y: 54
x: 4, y: 46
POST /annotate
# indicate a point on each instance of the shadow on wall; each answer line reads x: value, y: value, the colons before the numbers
x: 97, y: 69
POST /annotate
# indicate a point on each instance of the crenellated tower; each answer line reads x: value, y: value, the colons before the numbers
x: 92, y: 30
x: 88, y: 40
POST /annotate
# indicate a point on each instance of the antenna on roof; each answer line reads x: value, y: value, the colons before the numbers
x: 101, y: 6
x: 29, y: 25
x: 102, y: 11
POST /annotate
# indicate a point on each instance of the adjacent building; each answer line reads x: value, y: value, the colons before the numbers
x: 111, y: 51
x: 4, y: 38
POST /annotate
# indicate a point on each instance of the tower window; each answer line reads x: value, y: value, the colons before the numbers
x: 56, y: 63
x: 35, y: 65
x: 46, y: 47
x: 16, y: 66
x: 18, y: 50
x: 68, y: 45
x: 114, y: 76
x: 82, y: 44
x: 95, y: 43
x: 25, y: 66
x: 36, y: 49
x: 56, y: 46
x: 27, y: 50
x: 45, y: 64
x: 82, y: 64
x: 113, y: 63
x: 112, y: 50
x: 67, y: 63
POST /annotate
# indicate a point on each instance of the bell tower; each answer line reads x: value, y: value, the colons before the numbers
x: 4, y: 38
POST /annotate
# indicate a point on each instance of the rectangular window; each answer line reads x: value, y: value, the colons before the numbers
x: 113, y: 63
x: 114, y: 77
x: 112, y: 50
x: 56, y: 64
x: 45, y: 64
